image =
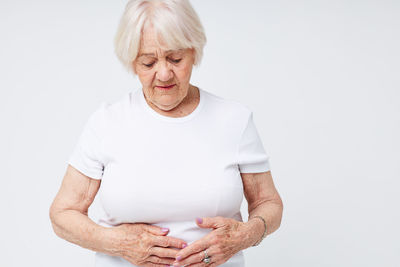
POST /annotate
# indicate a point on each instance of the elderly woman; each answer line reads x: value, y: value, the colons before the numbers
x: 170, y: 161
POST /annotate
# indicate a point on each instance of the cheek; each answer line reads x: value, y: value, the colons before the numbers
x: 184, y: 72
x: 145, y: 77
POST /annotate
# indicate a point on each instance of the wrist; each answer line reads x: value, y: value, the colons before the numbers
x: 111, y: 241
x: 261, y: 221
x: 255, y: 230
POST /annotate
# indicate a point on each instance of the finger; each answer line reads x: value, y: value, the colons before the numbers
x: 147, y: 263
x: 164, y: 252
x: 160, y: 260
x: 210, y: 222
x: 151, y: 264
x: 167, y: 241
x: 195, y: 258
x: 202, y: 264
x: 156, y: 230
x: 211, y: 264
x: 195, y: 247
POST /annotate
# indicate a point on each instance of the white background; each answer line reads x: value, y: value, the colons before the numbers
x: 322, y: 78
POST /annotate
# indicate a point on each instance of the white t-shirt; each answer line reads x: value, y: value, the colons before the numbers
x: 167, y: 171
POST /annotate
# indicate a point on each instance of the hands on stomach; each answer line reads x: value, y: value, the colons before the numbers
x: 144, y: 244
x: 147, y: 245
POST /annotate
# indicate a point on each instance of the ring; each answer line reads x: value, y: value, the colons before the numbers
x: 207, y: 260
x: 206, y: 257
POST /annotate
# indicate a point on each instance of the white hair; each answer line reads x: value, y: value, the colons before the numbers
x: 174, y: 21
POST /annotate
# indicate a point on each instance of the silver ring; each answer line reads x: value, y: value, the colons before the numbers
x: 206, y: 257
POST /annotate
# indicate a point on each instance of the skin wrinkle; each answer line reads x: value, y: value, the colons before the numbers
x: 178, y: 101
x: 88, y: 196
x: 168, y: 52
x: 255, y: 194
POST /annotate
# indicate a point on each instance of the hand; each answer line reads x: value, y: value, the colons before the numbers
x: 228, y: 237
x: 144, y: 245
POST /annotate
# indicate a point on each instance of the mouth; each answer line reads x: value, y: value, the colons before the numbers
x: 166, y: 87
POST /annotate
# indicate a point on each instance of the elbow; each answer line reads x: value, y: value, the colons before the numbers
x: 53, y: 212
x: 279, y: 203
x: 53, y: 215
x: 53, y: 218
x: 277, y: 200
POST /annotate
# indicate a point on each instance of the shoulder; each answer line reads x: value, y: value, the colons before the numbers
x: 110, y: 111
x: 223, y: 106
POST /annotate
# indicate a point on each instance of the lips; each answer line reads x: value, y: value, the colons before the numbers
x: 166, y: 87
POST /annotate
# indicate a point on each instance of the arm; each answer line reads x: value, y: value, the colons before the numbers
x: 263, y: 200
x: 69, y: 211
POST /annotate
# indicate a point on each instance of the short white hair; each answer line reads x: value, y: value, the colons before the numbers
x: 174, y: 21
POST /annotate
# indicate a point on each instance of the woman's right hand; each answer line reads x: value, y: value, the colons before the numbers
x: 144, y: 244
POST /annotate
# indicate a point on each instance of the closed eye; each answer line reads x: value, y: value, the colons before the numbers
x: 148, y: 65
x: 176, y: 60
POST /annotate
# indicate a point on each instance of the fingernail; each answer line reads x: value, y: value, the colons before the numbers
x: 184, y: 245
x: 199, y: 220
x: 164, y: 229
x: 178, y: 258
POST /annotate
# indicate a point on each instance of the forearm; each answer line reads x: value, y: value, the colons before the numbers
x: 79, y: 229
x: 271, y: 212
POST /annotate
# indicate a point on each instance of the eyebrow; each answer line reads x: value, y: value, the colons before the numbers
x: 166, y: 52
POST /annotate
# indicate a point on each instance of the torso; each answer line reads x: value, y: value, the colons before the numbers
x: 168, y: 171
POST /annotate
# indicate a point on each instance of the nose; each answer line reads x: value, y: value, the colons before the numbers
x: 164, y: 72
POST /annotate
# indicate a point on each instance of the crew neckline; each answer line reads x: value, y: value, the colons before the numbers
x: 167, y: 118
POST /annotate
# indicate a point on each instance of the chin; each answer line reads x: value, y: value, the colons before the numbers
x: 167, y: 105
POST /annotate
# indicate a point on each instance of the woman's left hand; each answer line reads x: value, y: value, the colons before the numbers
x: 228, y: 237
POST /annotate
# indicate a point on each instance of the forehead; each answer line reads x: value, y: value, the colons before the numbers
x: 152, y: 44
x: 150, y: 38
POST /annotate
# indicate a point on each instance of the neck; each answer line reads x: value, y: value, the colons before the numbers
x: 187, y: 105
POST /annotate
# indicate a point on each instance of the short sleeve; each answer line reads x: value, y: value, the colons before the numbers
x: 252, y: 157
x: 86, y: 156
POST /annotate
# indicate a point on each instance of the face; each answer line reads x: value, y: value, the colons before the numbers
x: 164, y: 74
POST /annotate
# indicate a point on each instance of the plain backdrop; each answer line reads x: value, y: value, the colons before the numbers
x: 322, y: 78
